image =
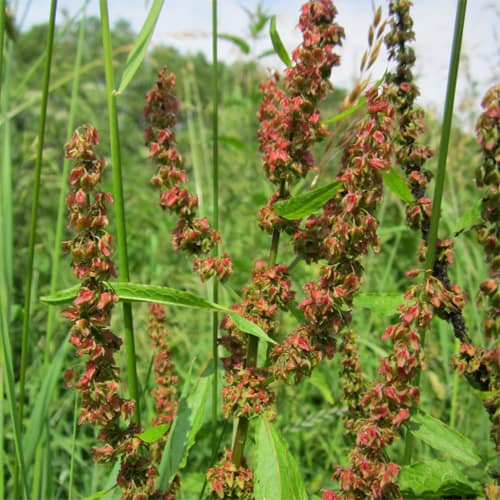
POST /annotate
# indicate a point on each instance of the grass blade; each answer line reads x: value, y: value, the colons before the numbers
x: 140, y: 47
x: 33, y: 224
x: 239, y: 42
x: 187, y: 423
x: 42, y: 403
x: 278, y: 46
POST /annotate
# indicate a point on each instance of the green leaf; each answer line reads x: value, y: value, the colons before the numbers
x: 318, y: 380
x: 276, y: 473
x: 469, y: 218
x: 100, y: 493
x: 306, y: 204
x: 397, y: 185
x: 242, y: 44
x: 43, y: 400
x: 278, y: 46
x: 384, y: 304
x: 443, y: 438
x: 266, y: 53
x: 140, y: 47
x: 234, y: 142
x: 348, y: 112
x: 436, y: 479
x: 130, y: 292
x: 188, y: 421
x: 154, y: 434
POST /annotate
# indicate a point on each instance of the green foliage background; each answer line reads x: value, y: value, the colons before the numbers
x: 309, y: 416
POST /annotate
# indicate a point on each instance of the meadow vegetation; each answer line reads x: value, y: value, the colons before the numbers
x: 309, y: 274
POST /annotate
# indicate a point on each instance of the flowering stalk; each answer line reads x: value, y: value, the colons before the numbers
x: 483, y: 364
x: 164, y: 392
x: 411, y: 155
x: 90, y: 251
x: 289, y: 126
x: 341, y: 235
x: 191, y: 235
x: 386, y: 405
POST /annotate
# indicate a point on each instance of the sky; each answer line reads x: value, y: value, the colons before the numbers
x: 186, y: 25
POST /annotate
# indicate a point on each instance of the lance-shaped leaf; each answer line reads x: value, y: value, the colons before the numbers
x: 469, y: 218
x: 443, y: 438
x: 380, y: 303
x: 344, y: 114
x: 276, y: 473
x: 188, y: 421
x: 131, y: 292
x: 242, y: 44
x: 100, y: 494
x: 350, y: 110
x: 278, y: 46
x: 397, y: 185
x: 154, y: 434
x: 140, y: 46
x: 306, y: 204
x: 43, y: 400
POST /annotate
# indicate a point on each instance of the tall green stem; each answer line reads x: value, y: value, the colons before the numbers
x: 2, y: 36
x: 34, y: 209
x: 441, y: 171
x: 123, y: 271
x: 251, y: 357
x: 215, y: 216
x: 445, y: 133
x: 32, y: 238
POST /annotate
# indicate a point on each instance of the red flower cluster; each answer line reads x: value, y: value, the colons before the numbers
x: 90, y: 251
x: 352, y: 379
x: 191, y: 235
x: 164, y: 393
x: 289, y: 116
x: 226, y: 480
x: 269, y: 291
x: 386, y: 405
x: 484, y: 363
x: 341, y: 234
x: 246, y: 394
x: 402, y: 92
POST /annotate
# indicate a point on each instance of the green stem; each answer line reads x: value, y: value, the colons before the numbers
x: 2, y: 36
x: 215, y: 217
x: 445, y: 140
x: 251, y: 357
x: 61, y: 212
x: 454, y: 391
x: 34, y: 211
x: 445, y: 133
x: 441, y: 174
x: 123, y: 271
x: 73, y: 448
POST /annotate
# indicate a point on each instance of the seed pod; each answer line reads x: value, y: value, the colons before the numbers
x: 363, y: 61
x: 371, y: 34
